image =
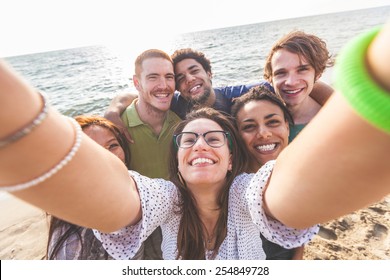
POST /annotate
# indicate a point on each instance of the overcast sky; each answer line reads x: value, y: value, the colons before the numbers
x: 29, y: 26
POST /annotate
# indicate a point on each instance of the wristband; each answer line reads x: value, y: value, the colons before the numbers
x: 354, y: 82
x: 30, y: 126
x: 55, y: 169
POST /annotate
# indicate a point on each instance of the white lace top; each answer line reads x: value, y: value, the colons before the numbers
x: 246, y: 220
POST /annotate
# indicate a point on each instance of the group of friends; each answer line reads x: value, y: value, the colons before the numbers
x: 196, y: 172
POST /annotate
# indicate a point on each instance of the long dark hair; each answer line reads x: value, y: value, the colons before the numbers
x: 72, y: 229
x: 190, y: 240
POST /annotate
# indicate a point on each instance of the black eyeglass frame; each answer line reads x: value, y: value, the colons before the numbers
x: 225, y: 133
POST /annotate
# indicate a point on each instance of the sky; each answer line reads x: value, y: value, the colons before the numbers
x: 30, y: 26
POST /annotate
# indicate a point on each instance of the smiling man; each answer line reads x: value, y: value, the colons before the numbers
x: 148, y: 118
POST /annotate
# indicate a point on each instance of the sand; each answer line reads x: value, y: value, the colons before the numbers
x: 23, y: 230
x: 362, y: 235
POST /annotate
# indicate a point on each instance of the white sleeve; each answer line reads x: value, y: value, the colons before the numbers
x: 273, y: 230
x: 158, y: 198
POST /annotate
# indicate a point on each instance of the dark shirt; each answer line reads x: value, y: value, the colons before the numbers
x: 224, y: 99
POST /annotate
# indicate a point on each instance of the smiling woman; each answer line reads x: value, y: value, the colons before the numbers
x: 263, y: 122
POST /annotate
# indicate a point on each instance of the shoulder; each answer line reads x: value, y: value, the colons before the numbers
x: 172, y: 117
x: 152, y: 184
x: 238, y: 90
x: 130, y: 116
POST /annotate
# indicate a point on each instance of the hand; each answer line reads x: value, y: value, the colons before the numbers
x: 116, y: 119
x: 116, y: 108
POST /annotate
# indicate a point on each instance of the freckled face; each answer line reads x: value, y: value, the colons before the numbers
x: 202, y: 164
x: 105, y: 138
x: 292, y: 77
x: 264, y: 130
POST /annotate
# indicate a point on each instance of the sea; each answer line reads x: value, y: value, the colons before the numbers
x: 84, y: 80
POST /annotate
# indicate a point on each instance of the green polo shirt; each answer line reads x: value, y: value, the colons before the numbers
x: 149, y: 153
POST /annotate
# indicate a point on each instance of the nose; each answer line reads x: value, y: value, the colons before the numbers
x: 264, y: 132
x: 200, y: 144
x: 189, y: 78
x: 291, y: 79
x: 162, y: 83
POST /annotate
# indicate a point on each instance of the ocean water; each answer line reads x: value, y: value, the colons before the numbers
x: 84, y: 80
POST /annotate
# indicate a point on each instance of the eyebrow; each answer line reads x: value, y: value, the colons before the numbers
x: 189, y: 69
x: 152, y: 74
x: 266, y: 117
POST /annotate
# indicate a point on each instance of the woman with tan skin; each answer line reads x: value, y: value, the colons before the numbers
x: 71, y: 242
x: 263, y: 122
x: 293, y: 66
x: 261, y: 202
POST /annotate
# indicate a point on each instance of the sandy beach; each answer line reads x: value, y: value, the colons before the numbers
x: 362, y: 235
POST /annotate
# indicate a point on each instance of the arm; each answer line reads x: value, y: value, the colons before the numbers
x: 82, y: 192
x: 350, y: 154
x: 321, y: 92
x: 298, y: 253
x: 117, y: 106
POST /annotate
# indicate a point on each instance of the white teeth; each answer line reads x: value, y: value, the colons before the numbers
x: 194, y: 88
x: 265, y: 148
x: 292, y: 91
x: 162, y: 94
x: 201, y: 160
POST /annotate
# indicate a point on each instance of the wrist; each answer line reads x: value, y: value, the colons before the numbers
x: 353, y: 80
x: 378, y: 58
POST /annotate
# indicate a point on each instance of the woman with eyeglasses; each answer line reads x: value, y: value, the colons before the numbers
x: 209, y: 209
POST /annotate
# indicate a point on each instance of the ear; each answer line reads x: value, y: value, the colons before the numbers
x: 210, y: 75
x: 230, y: 166
x: 136, y: 82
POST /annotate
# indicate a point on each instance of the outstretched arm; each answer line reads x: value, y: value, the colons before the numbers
x: 93, y: 190
x: 349, y: 153
x: 114, y: 111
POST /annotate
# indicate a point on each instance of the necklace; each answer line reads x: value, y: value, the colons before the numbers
x: 209, y: 238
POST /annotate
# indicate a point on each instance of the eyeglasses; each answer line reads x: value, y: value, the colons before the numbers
x: 214, y: 138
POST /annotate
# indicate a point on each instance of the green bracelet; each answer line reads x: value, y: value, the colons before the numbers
x: 355, y: 83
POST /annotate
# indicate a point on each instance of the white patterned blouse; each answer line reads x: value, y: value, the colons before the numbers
x: 246, y: 220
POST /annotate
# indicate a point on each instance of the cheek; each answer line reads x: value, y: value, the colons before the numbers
x: 247, y: 138
x: 283, y: 134
x: 120, y: 154
x: 276, y: 82
x: 180, y: 160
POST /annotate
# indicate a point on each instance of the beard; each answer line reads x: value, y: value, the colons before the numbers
x: 201, y: 99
